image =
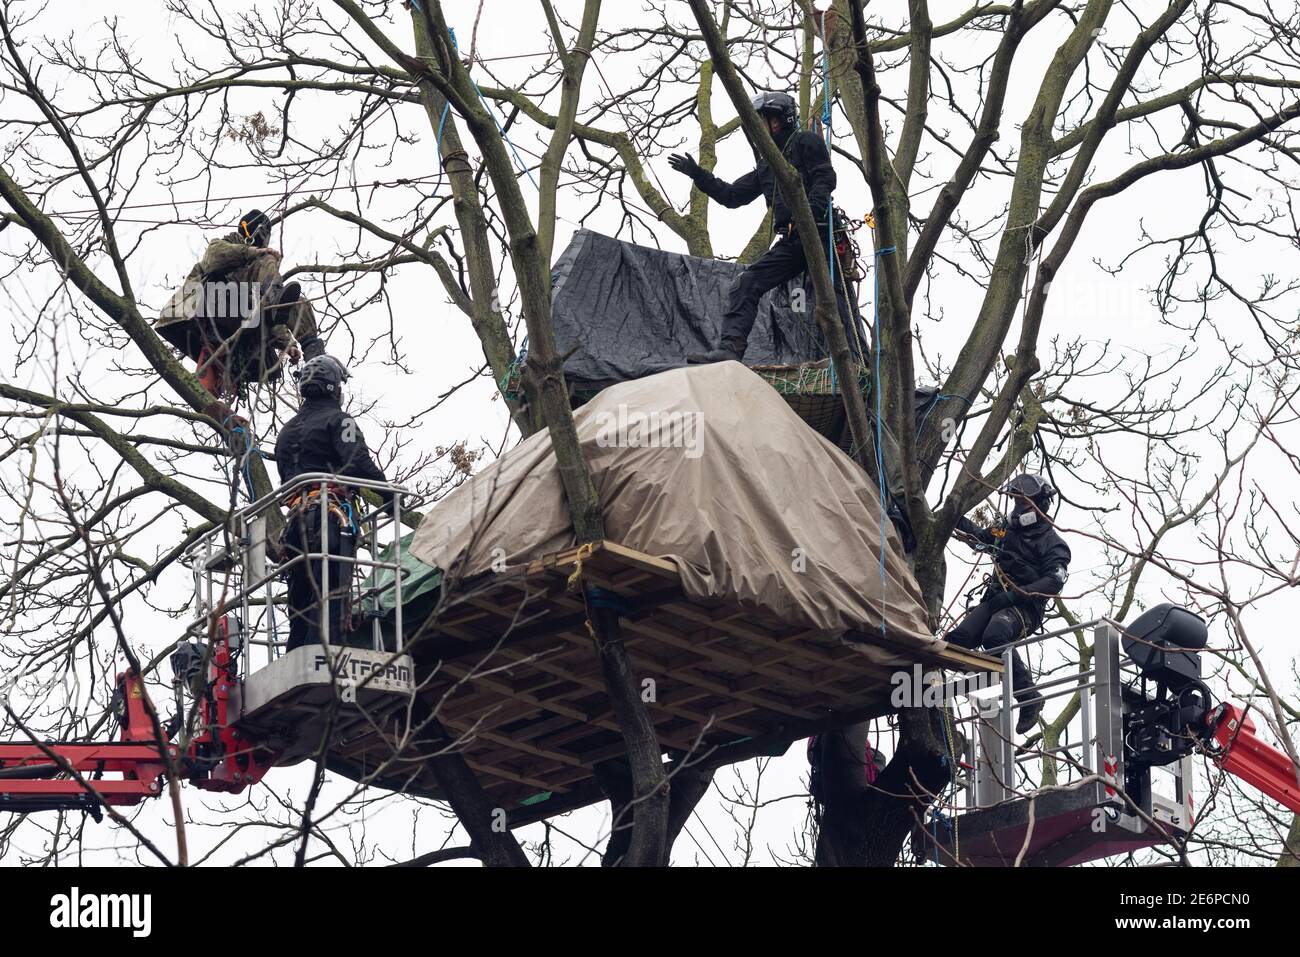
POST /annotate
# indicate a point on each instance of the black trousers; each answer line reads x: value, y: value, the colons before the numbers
x: 774, y: 268
x: 307, y: 579
x: 988, y: 629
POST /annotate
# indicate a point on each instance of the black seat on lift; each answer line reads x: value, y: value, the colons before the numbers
x: 1165, y: 643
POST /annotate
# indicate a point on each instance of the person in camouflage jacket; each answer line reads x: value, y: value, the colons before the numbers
x: 235, y: 316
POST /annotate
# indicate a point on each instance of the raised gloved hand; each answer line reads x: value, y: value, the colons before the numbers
x: 685, y: 164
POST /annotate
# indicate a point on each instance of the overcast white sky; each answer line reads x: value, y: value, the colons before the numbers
x: 1113, y: 313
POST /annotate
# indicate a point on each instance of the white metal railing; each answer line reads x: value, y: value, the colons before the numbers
x: 1092, y: 742
x: 236, y: 570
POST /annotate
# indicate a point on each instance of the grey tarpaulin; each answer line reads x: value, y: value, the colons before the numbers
x: 627, y: 311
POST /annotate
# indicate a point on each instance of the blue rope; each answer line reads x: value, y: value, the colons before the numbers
x: 446, y: 108
x: 250, y: 447
x: 516, y: 363
x: 930, y: 408
x: 352, y: 518
x: 492, y: 113
x: 500, y: 129
x: 880, y: 450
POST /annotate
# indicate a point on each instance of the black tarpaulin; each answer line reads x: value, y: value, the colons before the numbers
x: 627, y: 311
x: 623, y: 311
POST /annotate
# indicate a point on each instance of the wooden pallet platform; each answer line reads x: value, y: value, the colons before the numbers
x: 512, y: 669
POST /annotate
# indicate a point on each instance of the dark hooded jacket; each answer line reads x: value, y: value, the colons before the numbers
x: 807, y: 153
x: 1032, y: 560
x: 324, y: 438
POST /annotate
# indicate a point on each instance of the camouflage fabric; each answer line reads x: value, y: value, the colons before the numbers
x: 220, y: 302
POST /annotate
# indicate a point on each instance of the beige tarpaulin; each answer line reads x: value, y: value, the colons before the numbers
x: 707, y: 466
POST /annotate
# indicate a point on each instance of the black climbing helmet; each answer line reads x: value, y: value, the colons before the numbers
x: 322, y: 375
x: 1033, y: 487
x: 781, y: 104
x: 255, y: 227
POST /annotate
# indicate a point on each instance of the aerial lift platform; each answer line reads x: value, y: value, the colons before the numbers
x: 1125, y: 781
x: 507, y: 663
x: 535, y: 722
x: 243, y: 704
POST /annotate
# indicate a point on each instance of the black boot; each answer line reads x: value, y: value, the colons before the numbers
x: 731, y: 350
x: 281, y: 297
x: 1031, y: 702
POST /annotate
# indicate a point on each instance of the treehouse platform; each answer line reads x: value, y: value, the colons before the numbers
x: 513, y: 672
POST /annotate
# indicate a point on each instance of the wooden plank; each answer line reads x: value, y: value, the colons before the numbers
x: 597, y: 683
x: 741, y: 665
x: 717, y: 666
x: 478, y: 732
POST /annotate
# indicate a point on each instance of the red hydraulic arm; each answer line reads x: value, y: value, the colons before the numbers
x: 36, y: 777
x: 1243, y: 755
x: 218, y: 759
x: 33, y: 778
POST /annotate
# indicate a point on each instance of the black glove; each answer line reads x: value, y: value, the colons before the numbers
x: 1000, y: 600
x: 684, y: 163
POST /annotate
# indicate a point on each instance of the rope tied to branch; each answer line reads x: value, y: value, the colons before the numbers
x: 585, y: 551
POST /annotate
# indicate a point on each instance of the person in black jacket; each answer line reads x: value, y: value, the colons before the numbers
x: 807, y: 153
x: 1031, y: 563
x: 322, y: 437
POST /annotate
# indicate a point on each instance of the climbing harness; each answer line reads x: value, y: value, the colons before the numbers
x: 341, y: 502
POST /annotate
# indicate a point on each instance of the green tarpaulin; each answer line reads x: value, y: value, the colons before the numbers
x: 420, y: 588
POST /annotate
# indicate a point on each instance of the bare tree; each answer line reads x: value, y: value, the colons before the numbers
x: 983, y: 169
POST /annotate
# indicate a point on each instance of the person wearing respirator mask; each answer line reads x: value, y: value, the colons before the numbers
x: 1031, y: 562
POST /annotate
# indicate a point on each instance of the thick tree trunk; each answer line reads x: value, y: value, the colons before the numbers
x: 450, y: 78
x: 646, y: 825
x: 487, y: 825
x: 868, y: 828
x: 687, y: 785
